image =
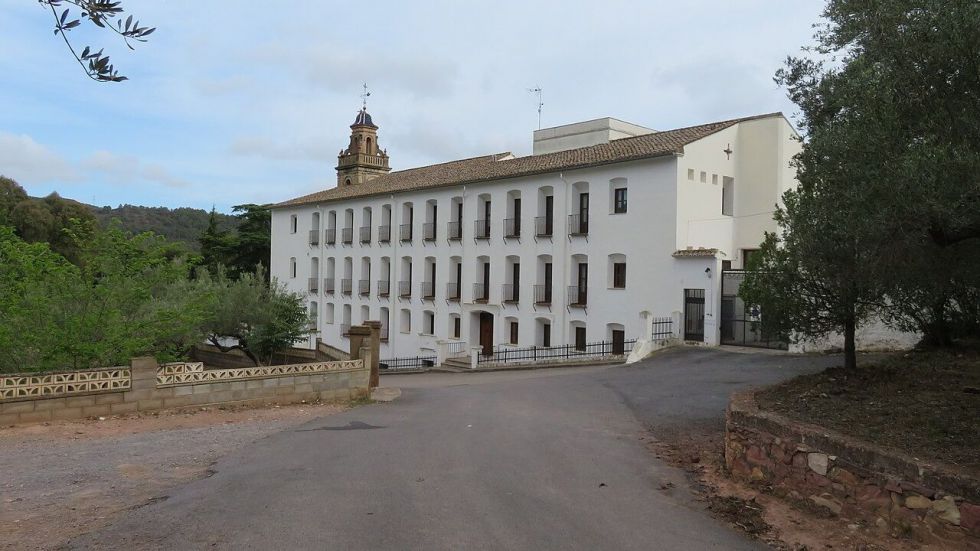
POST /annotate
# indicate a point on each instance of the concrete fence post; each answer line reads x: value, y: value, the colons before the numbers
x: 358, y: 334
x: 677, y: 323
x: 375, y: 346
x: 475, y: 356
x: 143, y: 373
x: 442, y: 351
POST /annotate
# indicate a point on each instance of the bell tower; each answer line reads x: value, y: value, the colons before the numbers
x: 363, y: 160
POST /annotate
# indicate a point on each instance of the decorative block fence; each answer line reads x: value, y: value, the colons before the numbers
x: 148, y: 386
x: 846, y: 477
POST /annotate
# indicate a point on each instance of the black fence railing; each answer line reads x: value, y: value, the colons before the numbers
x: 314, y: 238
x: 405, y: 232
x: 663, y: 328
x: 481, y: 229
x: 345, y: 286
x: 481, y: 292
x: 384, y: 287
x: 531, y: 354
x: 428, y: 290
x: 384, y: 234
x: 544, y: 226
x: 454, y: 230
x: 364, y: 287
x: 452, y: 292
x: 512, y: 227
x: 365, y: 234
x: 328, y: 285
x: 578, y: 224
x: 542, y: 294
x: 405, y: 289
x: 578, y: 296
x: 511, y: 292
x: 330, y: 237
x: 314, y: 285
x: 347, y: 236
x: 429, y: 231
x: 407, y: 364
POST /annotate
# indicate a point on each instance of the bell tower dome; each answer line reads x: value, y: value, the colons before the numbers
x: 363, y: 160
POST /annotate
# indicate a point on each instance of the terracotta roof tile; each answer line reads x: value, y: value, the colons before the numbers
x: 504, y: 165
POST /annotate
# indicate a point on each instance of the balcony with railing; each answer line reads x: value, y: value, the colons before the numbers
x: 578, y: 224
x: 330, y: 237
x: 384, y: 234
x: 481, y: 229
x: 542, y: 294
x: 365, y: 234
x: 452, y: 292
x: 481, y: 293
x: 405, y: 233
x: 345, y: 329
x: 314, y: 238
x: 347, y: 236
x: 511, y: 292
x: 405, y: 289
x: 384, y: 287
x: 364, y: 287
x: 512, y: 228
x: 428, y: 289
x: 314, y: 285
x: 454, y: 230
x: 328, y: 285
x: 544, y: 226
x: 429, y: 231
x: 345, y: 286
x: 578, y: 296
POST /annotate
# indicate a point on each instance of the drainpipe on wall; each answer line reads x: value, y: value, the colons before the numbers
x: 562, y: 317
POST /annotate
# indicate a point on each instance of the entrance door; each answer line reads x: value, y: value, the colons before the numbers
x: 694, y: 314
x: 618, y: 342
x: 486, y: 333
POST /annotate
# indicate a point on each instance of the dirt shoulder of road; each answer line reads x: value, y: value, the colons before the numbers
x: 62, y: 479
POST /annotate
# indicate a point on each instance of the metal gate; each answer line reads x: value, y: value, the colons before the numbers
x: 741, y: 324
x: 694, y: 314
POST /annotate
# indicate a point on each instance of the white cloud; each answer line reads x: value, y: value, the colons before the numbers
x: 127, y: 169
x: 311, y: 150
x: 27, y: 161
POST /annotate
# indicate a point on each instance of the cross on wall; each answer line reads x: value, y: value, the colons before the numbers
x: 728, y: 151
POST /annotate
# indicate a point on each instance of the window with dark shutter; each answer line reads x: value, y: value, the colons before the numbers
x: 619, y: 275
x: 619, y: 205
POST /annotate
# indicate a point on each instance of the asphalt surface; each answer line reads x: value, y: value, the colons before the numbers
x: 546, y: 459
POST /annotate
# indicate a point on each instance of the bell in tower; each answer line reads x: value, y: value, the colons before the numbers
x: 363, y: 160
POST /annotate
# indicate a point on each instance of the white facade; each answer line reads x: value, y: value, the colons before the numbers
x: 674, y: 203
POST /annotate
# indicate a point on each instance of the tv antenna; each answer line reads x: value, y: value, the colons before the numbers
x: 364, y: 97
x: 537, y: 90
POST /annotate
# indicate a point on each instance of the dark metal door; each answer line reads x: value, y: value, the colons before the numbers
x: 486, y: 333
x: 741, y: 323
x: 618, y: 342
x: 694, y: 314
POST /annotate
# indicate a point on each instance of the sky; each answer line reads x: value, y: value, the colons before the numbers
x: 250, y: 102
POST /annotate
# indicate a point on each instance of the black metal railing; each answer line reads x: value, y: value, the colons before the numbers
x: 345, y: 329
x: 452, y: 292
x: 428, y: 290
x: 384, y: 234
x: 365, y: 234
x: 663, y: 328
x: 345, y: 286
x: 481, y: 229
x: 578, y: 296
x: 512, y: 227
x: 569, y: 352
x: 314, y: 238
x: 330, y: 237
x: 364, y: 287
x: 328, y: 285
x: 429, y: 231
x: 414, y: 363
x: 314, y: 285
x: 405, y: 232
x: 481, y: 292
x: 542, y: 294
x: 512, y: 292
x: 578, y: 224
x: 347, y: 236
x: 454, y: 230
x: 405, y: 289
x: 384, y: 287
x: 544, y: 226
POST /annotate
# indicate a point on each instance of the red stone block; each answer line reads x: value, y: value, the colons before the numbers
x: 970, y: 517
x: 817, y: 480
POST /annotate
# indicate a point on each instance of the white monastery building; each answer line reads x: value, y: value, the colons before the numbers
x: 606, y: 226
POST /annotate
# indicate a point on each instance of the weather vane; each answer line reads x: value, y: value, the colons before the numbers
x: 364, y: 97
x: 537, y: 90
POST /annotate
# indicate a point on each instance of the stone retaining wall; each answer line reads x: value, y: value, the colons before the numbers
x: 846, y: 477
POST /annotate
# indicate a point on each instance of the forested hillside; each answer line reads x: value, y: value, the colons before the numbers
x: 180, y: 224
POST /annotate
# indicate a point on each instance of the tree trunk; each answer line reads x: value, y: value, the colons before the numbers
x: 850, y: 351
x: 244, y: 350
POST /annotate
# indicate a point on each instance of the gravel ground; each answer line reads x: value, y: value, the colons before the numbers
x: 73, y: 477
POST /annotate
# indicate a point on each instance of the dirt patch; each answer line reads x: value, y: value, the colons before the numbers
x: 62, y: 479
x: 923, y: 403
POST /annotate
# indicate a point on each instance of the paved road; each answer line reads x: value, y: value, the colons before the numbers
x: 547, y: 459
